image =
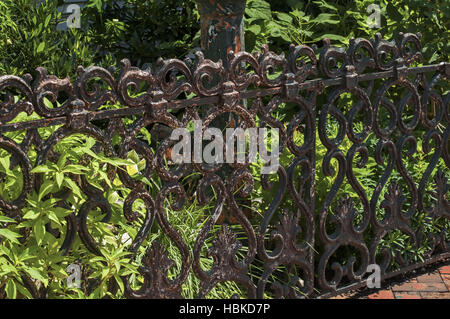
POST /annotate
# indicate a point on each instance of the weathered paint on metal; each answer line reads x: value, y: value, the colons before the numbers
x: 222, y: 27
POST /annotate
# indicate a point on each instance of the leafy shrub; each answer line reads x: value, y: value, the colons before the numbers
x: 142, y: 31
x: 109, y: 33
x: 28, y: 39
x: 307, y: 22
x: 32, y: 263
x: 134, y: 29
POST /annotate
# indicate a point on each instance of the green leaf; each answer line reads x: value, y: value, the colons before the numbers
x: 95, y: 184
x: 259, y: 10
x: 4, y: 162
x: 91, y: 153
x: 48, y: 104
x: 40, y: 47
x: 326, y: 18
x: 117, y: 265
x: 132, y: 170
x: 298, y: 13
x: 98, y: 4
x: 61, y: 212
x: 61, y: 161
x: 8, y: 269
x: 295, y: 4
x: 117, y: 161
x: 73, y: 186
x: 96, y: 259
x: 5, y: 251
x: 31, y: 214
x: 35, y: 274
x: 325, y: 4
x: 254, y: 28
x: 284, y: 17
x: 4, y: 219
x: 39, y: 231
x: 434, y: 57
x: 75, y: 169
x: 47, y: 21
x: 104, y: 273
x: 104, y: 176
x: 10, y: 235
x: 24, y: 291
x: 45, y: 189
x: 41, y: 169
x: 119, y: 282
x: 25, y: 255
x: 52, y: 216
x: 10, y: 288
x: 59, y: 179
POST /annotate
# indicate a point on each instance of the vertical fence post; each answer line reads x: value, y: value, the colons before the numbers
x: 222, y: 27
x: 222, y: 31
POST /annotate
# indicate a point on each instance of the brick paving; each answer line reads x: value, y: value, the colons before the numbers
x: 432, y: 285
x: 407, y: 295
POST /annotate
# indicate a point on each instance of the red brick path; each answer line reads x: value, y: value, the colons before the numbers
x: 434, y: 285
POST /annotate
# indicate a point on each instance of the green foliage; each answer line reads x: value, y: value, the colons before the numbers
x: 31, y: 241
x: 307, y: 22
x: 109, y: 33
x: 368, y: 177
x: 142, y: 31
x: 28, y: 39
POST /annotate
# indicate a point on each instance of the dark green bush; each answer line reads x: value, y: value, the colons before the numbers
x: 307, y: 22
x: 146, y: 30
x: 139, y: 30
x: 28, y: 39
x: 142, y: 31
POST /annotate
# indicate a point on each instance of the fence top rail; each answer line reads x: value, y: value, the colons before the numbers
x: 207, y: 82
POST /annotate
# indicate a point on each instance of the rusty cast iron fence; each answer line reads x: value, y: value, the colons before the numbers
x: 307, y: 242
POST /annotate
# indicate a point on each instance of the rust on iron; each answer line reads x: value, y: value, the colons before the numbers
x: 222, y: 28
